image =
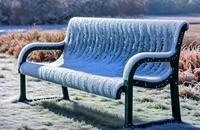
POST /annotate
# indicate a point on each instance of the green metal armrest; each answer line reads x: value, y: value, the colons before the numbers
x: 38, y: 46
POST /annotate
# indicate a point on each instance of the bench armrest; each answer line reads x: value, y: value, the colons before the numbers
x: 135, y: 61
x: 38, y: 46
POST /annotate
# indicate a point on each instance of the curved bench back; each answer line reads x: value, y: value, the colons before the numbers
x: 108, y: 40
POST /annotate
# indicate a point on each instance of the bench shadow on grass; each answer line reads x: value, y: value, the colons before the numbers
x: 80, y: 112
x: 96, y: 118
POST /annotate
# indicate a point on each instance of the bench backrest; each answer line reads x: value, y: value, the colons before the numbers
x: 108, y: 40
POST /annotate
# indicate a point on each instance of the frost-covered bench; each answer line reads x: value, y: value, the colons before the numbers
x: 108, y: 56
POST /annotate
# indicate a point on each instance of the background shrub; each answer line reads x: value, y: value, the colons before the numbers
x: 60, y: 11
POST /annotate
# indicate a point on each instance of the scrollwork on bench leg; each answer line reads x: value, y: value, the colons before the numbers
x: 22, y: 88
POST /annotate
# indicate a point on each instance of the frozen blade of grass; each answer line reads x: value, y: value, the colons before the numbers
x: 145, y: 99
x: 2, y: 76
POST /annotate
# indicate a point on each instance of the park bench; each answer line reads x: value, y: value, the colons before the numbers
x: 107, y: 56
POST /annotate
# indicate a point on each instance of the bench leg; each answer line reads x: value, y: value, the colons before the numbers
x: 175, y: 101
x: 128, y: 105
x: 22, y: 88
x: 65, y: 93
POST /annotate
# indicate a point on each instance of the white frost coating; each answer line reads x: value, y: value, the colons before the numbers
x: 99, y: 53
x: 39, y: 45
x: 75, y: 78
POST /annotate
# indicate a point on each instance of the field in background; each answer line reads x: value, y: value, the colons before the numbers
x: 25, y: 12
x: 12, y: 43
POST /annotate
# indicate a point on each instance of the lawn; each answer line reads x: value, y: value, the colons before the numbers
x: 84, y: 111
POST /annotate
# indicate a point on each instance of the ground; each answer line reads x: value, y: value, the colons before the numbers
x: 84, y: 111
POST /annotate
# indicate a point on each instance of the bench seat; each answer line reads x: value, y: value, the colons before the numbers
x: 100, y: 79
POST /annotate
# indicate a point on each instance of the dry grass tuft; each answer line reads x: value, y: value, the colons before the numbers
x: 12, y: 43
x: 192, y: 92
x: 189, y: 63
